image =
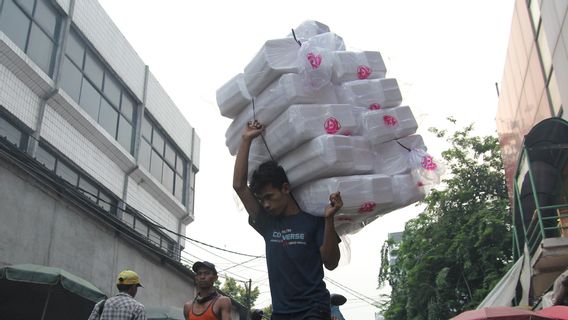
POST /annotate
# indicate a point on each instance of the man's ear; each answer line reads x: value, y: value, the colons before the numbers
x: 285, y: 188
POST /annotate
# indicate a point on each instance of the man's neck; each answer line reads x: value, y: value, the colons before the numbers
x: 204, y: 293
x: 292, y: 207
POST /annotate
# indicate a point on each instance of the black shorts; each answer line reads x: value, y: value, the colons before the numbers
x: 311, y: 314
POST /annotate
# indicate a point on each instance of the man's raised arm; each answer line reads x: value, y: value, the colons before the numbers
x: 252, y: 130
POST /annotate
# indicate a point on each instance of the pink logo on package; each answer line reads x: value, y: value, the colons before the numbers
x: 331, y: 125
x: 428, y: 163
x: 315, y: 60
x: 390, y: 121
x: 367, y: 207
x: 375, y: 106
x: 363, y: 72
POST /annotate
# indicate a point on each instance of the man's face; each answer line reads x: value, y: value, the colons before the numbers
x: 205, y: 278
x: 274, y: 200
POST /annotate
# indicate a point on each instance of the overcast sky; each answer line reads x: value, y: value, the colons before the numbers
x: 447, y: 56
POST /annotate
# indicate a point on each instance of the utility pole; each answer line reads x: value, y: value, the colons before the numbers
x: 248, y: 294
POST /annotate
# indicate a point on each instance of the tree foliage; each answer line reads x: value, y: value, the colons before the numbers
x: 453, y: 253
x: 240, y: 292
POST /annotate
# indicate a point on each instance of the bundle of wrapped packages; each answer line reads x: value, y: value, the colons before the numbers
x: 334, y: 121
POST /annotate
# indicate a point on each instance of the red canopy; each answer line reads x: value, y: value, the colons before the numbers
x: 555, y: 312
x: 500, y: 313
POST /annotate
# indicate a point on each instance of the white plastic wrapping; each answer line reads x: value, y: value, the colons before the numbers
x: 289, y: 89
x: 308, y: 29
x: 327, y: 156
x: 379, y: 126
x: 393, y: 157
x: 233, y: 96
x: 361, y: 194
x: 350, y: 66
x: 373, y: 94
x: 300, y: 123
x: 425, y: 168
x: 315, y: 58
x: 405, y: 191
x: 275, y: 58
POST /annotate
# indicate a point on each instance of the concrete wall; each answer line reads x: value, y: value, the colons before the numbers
x: 39, y: 226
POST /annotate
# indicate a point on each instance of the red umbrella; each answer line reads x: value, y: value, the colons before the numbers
x: 501, y: 313
x: 556, y: 312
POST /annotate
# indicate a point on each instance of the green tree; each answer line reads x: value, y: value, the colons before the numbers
x: 241, y: 293
x: 453, y: 253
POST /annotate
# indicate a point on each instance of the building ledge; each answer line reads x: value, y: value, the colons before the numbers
x: 156, y: 189
x: 12, y: 57
x: 549, y: 261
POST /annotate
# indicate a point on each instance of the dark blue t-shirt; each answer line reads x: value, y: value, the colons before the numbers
x: 295, y: 267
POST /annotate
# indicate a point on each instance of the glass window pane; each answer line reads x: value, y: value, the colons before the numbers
x: 147, y: 129
x: 128, y: 107
x: 156, y: 166
x: 554, y: 92
x: 75, y: 49
x: 112, y: 90
x: 67, y: 173
x: 27, y: 5
x: 90, y: 99
x: 106, y: 202
x: 180, y: 164
x: 154, y: 237
x: 125, y: 134
x: 170, y: 154
x: 45, y: 158
x: 41, y: 49
x: 88, y: 189
x: 144, y: 154
x: 141, y: 227
x: 168, y: 178
x: 94, y: 70
x: 179, y: 188
x: 71, y: 78
x: 15, y: 24
x: 11, y: 133
x: 128, y: 219
x: 108, y: 117
x: 47, y: 17
x: 158, y: 142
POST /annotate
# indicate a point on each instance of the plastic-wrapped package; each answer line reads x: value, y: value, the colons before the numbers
x: 361, y: 194
x: 308, y: 29
x: 327, y: 156
x: 315, y: 58
x: 350, y: 66
x: 373, y: 94
x: 233, y: 96
x: 300, y: 123
x: 424, y: 168
x: 379, y: 126
x: 289, y: 89
x: 392, y: 157
x: 406, y: 190
x: 276, y: 57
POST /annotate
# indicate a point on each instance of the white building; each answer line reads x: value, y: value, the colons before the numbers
x: 97, y: 164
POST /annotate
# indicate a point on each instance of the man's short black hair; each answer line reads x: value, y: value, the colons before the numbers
x: 268, y: 173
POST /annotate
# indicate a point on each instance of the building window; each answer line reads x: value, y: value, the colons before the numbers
x: 162, y: 159
x: 11, y: 133
x: 34, y: 26
x: 70, y: 173
x: 148, y: 230
x: 93, y: 86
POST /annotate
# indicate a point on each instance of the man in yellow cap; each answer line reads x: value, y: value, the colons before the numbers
x: 122, y: 306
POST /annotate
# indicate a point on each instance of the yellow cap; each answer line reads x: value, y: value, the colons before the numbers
x: 128, y: 277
